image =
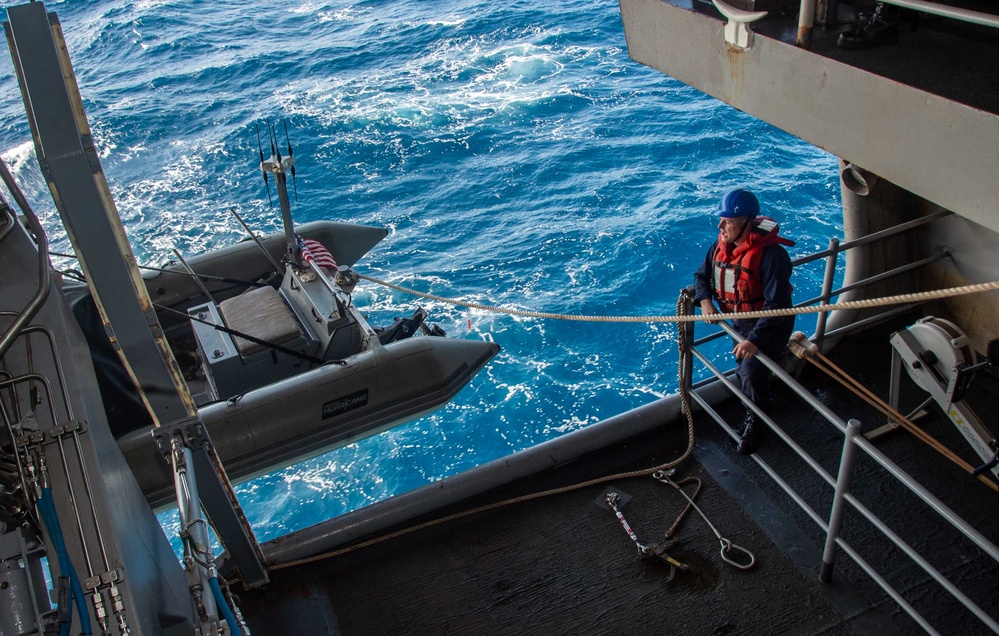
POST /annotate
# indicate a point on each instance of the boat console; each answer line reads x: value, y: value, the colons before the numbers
x: 326, y: 309
x: 234, y: 365
x: 308, y: 321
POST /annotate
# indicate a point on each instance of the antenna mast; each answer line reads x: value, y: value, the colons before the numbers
x: 279, y: 167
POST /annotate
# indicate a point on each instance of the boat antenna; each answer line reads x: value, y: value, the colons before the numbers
x: 197, y: 280
x: 279, y: 167
x: 291, y: 155
x: 253, y: 237
x: 275, y: 148
x: 267, y: 184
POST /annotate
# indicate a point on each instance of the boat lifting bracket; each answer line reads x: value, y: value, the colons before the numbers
x: 726, y: 545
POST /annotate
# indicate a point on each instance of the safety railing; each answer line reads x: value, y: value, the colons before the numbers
x: 842, y: 498
x: 836, y: 248
x: 807, y: 15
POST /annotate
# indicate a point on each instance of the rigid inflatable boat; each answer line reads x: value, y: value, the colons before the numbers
x: 280, y: 362
x: 283, y: 366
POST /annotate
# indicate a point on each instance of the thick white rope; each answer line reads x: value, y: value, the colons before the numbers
x: 917, y: 297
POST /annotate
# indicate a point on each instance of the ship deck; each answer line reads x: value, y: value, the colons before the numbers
x: 952, y: 59
x: 563, y: 564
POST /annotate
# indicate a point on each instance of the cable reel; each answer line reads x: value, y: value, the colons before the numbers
x: 937, y: 356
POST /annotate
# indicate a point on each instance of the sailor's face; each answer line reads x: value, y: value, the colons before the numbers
x: 730, y: 229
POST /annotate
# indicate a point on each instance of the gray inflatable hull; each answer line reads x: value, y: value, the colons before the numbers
x: 347, y: 242
x: 316, y: 411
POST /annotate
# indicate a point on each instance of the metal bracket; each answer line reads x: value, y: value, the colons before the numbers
x: 102, y: 580
x: 30, y: 438
x: 737, y: 31
x: 67, y: 428
x: 191, y: 430
x: 217, y: 498
x: 943, y: 376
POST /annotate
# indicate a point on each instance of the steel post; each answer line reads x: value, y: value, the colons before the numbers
x: 806, y: 20
x: 687, y: 371
x: 827, y: 283
x: 839, y: 501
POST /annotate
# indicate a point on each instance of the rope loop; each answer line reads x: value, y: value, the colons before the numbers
x: 727, y: 547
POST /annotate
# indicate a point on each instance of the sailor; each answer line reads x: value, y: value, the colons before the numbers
x: 748, y: 269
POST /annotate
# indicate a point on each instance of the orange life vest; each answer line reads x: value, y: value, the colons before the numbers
x: 736, y: 268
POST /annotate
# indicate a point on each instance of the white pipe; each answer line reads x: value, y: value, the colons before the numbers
x: 806, y: 20
x: 856, y: 224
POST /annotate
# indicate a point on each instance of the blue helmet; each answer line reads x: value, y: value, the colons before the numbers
x: 738, y: 202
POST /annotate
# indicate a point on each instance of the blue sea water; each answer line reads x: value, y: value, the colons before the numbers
x: 516, y: 153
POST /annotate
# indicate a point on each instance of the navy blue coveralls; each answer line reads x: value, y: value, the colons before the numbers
x: 770, y: 335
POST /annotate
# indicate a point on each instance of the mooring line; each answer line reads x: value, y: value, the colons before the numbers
x: 644, y: 472
x: 916, y: 297
x: 829, y: 367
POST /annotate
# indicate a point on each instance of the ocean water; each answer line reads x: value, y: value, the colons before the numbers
x: 516, y: 153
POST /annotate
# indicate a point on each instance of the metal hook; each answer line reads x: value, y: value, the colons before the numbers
x: 658, y: 550
x: 726, y: 545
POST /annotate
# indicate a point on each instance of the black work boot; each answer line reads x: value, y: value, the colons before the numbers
x: 749, y: 437
x: 880, y: 27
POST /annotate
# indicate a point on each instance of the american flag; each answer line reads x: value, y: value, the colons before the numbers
x: 315, y: 251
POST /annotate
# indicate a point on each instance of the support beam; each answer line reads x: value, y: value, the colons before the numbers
x: 70, y: 165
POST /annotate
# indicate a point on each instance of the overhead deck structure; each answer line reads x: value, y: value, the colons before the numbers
x: 923, y: 114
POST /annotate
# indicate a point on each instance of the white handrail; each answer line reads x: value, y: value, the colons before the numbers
x: 941, y: 509
x: 806, y: 16
x: 964, y: 15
